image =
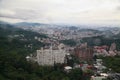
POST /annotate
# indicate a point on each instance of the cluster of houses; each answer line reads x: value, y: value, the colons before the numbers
x: 62, y: 54
x: 106, y: 50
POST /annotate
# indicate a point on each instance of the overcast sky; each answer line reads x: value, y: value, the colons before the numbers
x: 61, y: 11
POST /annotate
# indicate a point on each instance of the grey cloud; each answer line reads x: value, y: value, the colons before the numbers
x: 59, y: 11
x: 1, y: 0
x: 23, y: 14
x: 118, y: 8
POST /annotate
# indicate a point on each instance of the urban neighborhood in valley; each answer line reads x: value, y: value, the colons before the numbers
x: 59, y: 40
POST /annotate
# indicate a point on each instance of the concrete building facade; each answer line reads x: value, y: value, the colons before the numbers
x: 83, y: 52
x: 51, y: 56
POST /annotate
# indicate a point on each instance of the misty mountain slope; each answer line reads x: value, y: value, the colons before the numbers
x: 19, y: 38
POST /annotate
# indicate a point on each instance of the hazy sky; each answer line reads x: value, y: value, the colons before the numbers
x: 61, y: 11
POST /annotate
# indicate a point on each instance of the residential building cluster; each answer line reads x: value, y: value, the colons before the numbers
x: 51, y: 55
x: 84, y: 52
x: 106, y: 50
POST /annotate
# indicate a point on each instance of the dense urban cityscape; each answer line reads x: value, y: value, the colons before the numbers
x: 67, y: 48
x: 59, y: 39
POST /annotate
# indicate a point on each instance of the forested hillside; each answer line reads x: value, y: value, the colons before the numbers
x: 13, y: 65
x: 101, y: 40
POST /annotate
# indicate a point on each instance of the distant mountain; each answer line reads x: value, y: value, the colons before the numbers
x: 28, y: 24
x: 92, y: 30
x: 5, y: 25
x: 2, y: 22
x: 11, y: 29
x: 73, y: 28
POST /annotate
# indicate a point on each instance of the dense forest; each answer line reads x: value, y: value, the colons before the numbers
x: 112, y: 63
x: 69, y: 42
